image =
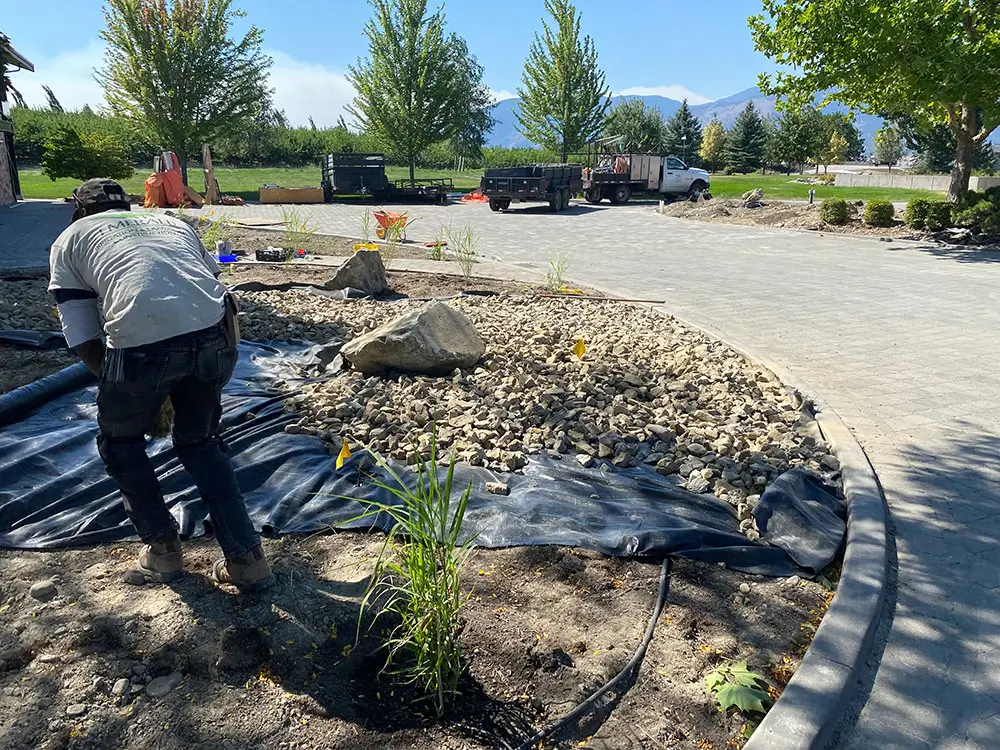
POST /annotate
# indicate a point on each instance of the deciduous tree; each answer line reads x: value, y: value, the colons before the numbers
x: 888, y: 145
x: 564, y: 97
x: 713, y: 145
x: 174, y: 68
x: 937, y: 60
x: 413, y: 89
x: 635, y: 126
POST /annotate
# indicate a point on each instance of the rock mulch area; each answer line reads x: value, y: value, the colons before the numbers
x: 648, y: 391
x: 785, y: 215
x: 88, y: 662
x: 26, y: 305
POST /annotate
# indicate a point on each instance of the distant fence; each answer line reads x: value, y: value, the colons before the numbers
x: 938, y: 182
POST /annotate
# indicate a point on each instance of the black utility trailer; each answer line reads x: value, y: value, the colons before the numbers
x: 551, y: 183
x: 347, y: 174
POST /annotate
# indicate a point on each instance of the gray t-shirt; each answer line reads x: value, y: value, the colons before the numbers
x: 152, y: 276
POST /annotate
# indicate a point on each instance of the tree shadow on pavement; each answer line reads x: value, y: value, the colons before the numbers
x: 936, y: 681
x: 958, y: 253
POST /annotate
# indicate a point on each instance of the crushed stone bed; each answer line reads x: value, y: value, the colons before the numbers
x: 648, y: 390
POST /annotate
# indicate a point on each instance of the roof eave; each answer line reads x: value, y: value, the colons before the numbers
x: 12, y: 56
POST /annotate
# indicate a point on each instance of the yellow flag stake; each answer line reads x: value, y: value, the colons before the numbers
x: 345, y: 453
x: 579, y: 348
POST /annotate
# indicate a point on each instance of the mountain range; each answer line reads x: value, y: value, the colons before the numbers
x: 505, y: 133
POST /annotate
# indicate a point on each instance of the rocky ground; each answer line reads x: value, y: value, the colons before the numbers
x: 647, y: 390
x: 787, y: 215
x: 87, y: 661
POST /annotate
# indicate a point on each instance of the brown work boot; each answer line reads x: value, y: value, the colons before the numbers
x: 248, y: 573
x: 162, y: 561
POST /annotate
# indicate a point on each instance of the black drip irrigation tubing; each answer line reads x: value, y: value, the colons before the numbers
x: 590, y: 702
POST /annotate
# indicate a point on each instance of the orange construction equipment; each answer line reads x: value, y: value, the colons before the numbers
x: 166, y: 187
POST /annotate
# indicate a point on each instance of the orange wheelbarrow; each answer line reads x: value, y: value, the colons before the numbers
x: 389, y: 222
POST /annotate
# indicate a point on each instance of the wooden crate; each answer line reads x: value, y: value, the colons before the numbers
x: 291, y: 195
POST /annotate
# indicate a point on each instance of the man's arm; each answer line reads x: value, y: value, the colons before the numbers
x: 82, y: 326
x: 92, y: 354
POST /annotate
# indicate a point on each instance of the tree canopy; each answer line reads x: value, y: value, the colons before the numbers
x: 937, y: 60
x: 746, y: 141
x: 173, y: 68
x: 888, y: 145
x: 419, y: 85
x: 682, y: 135
x: 564, y: 96
x: 713, y: 145
x: 635, y: 126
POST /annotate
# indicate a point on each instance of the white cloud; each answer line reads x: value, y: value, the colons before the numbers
x: 69, y: 74
x: 499, y: 96
x: 302, y: 89
x: 673, y: 91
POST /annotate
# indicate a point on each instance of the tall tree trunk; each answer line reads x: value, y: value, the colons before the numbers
x: 183, y: 160
x: 413, y: 165
x: 962, y: 170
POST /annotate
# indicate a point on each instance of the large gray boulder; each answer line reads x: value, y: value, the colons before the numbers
x: 364, y: 270
x: 431, y: 340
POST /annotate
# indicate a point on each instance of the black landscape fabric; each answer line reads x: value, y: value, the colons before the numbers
x: 55, y: 493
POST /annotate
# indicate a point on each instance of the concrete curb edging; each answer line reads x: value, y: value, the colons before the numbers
x: 811, y: 706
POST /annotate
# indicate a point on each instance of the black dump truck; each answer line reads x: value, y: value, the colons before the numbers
x: 347, y: 174
x: 554, y: 184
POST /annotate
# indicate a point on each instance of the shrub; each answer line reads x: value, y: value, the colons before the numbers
x: 83, y: 156
x: 827, y: 179
x: 991, y: 224
x: 879, y: 213
x: 938, y: 215
x: 974, y: 215
x: 915, y: 215
x: 833, y: 211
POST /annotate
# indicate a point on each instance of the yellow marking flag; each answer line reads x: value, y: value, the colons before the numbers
x: 579, y: 348
x: 345, y: 453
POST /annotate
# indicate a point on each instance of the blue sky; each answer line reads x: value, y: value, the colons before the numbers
x: 668, y: 47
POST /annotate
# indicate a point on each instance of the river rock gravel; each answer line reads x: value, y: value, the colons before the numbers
x: 647, y: 390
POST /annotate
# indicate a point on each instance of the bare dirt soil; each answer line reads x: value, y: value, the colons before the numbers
x: 544, y: 628
x: 105, y: 664
x: 786, y: 215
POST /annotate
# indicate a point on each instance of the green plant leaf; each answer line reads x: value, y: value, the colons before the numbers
x: 742, y: 697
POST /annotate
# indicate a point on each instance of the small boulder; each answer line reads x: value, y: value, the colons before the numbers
x: 43, y: 591
x: 432, y: 340
x: 497, y: 488
x: 160, y: 686
x: 364, y: 270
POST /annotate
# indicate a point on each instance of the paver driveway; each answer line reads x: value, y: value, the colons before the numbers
x: 903, y: 341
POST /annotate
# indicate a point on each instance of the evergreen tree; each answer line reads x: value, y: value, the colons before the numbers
x: 713, y: 145
x: 746, y: 141
x: 53, y: 103
x: 87, y: 110
x: 683, y: 135
x: 412, y: 89
x: 635, y: 126
x: 564, y: 96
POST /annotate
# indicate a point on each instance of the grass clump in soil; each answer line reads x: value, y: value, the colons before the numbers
x: 417, y: 577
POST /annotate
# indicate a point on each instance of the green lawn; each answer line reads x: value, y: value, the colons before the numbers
x: 784, y: 187
x: 242, y: 182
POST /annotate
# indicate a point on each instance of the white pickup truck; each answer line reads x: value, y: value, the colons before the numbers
x: 618, y: 176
